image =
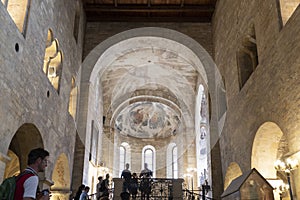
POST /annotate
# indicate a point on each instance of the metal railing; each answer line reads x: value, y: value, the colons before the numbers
x: 157, y: 189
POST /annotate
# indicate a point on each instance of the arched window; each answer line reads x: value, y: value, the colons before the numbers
x: 172, y: 161
x: 202, y: 131
x: 53, y: 61
x: 125, y: 156
x: 149, y: 158
x: 122, y: 157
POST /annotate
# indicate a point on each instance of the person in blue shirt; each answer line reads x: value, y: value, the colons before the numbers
x: 84, y: 195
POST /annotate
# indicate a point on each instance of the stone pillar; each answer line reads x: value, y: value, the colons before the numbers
x: 177, y: 189
x: 118, y: 185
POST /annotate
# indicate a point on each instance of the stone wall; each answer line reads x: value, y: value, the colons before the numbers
x: 27, y: 96
x: 272, y: 91
x: 97, y: 32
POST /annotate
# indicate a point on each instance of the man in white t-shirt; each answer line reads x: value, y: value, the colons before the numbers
x: 28, y: 180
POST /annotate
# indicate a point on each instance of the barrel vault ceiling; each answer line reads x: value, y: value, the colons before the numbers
x: 148, y: 90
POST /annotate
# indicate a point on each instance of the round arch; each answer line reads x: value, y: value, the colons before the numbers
x: 102, y: 55
x: 265, y: 149
x: 233, y: 171
x: 26, y: 138
x: 61, y: 178
x: 98, y: 58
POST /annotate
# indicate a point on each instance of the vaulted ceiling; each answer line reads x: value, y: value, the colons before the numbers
x: 150, y: 10
x: 149, y: 88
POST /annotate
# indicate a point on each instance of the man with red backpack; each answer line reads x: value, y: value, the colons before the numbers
x: 27, y: 182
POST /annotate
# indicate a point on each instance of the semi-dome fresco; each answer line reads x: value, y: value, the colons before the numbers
x: 148, y: 120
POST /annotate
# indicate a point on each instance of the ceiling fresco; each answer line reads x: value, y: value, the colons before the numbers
x: 148, y: 120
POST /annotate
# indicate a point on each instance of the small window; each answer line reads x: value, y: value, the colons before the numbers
x: 122, y: 158
x: 76, y: 21
x: 53, y: 61
x: 247, y: 57
x: 148, y: 156
x: 73, y: 99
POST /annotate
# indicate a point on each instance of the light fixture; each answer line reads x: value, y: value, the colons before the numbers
x: 281, y: 189
x: 287, y: 167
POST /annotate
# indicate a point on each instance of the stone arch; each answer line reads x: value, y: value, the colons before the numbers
x: 265, y: 149
x: 100, y: 57
x: 26, y: 138
x: 233, y: 171
x: 94, y: 64
x: 61, y: 177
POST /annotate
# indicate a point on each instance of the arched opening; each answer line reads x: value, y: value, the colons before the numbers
x: 148, y: 156
x: 233, y: 171
x: 26, y: 138
x: 104, y: 59
x: 125, y: 156
x: 172, y: 161
x: 265, y: 149
x: 61, y: 177
x: 53, y: 60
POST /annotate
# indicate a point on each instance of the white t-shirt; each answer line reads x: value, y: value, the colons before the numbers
x: 30, y: 187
